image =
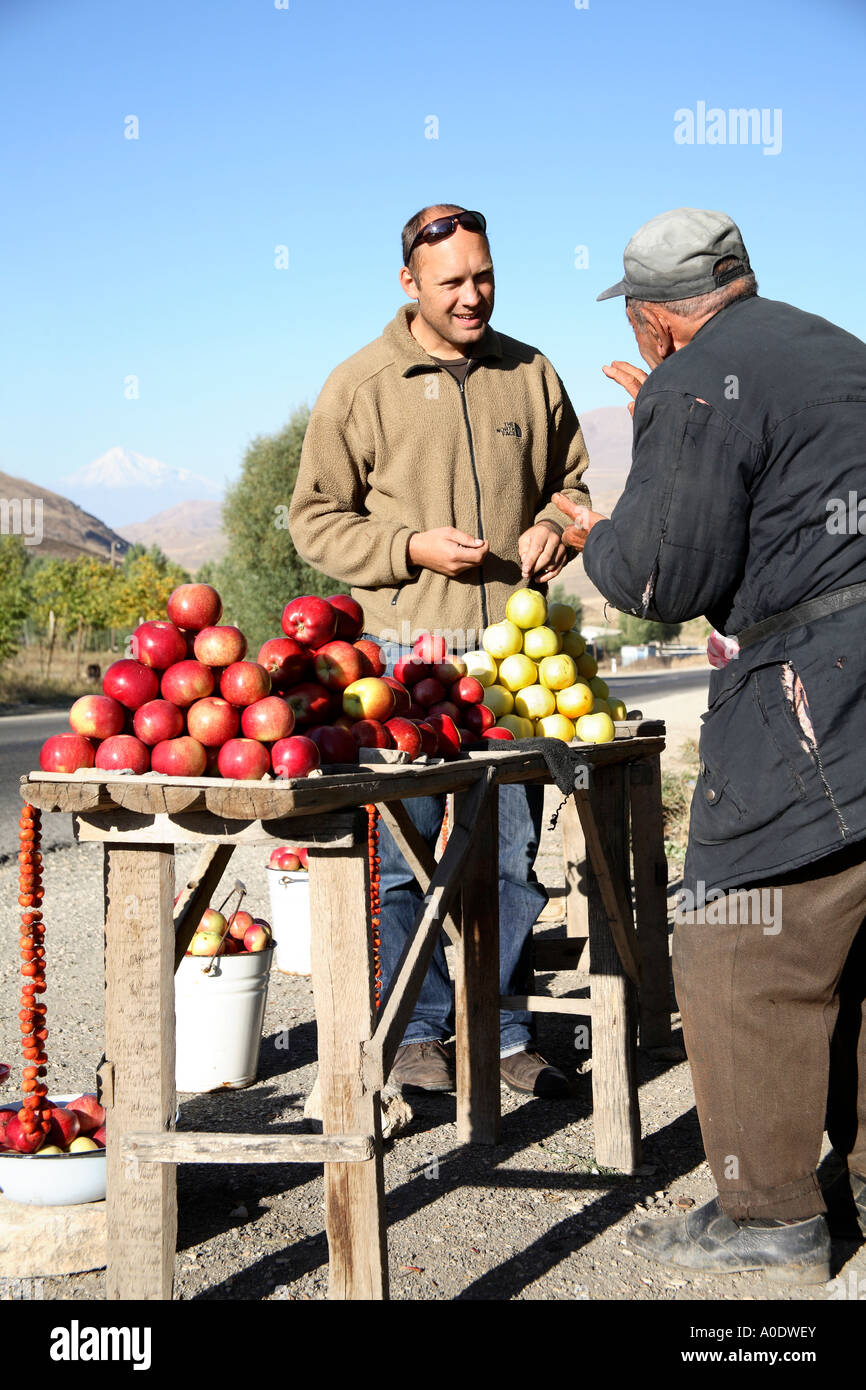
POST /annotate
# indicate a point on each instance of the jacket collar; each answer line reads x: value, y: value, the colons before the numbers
x: 408, y: 352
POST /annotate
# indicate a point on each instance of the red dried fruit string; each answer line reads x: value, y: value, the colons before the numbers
x: 34, y: 1112
x: 444, y: 840
x: 375, y: 900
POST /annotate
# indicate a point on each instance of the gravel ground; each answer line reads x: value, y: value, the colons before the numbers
x: 533, y: 1219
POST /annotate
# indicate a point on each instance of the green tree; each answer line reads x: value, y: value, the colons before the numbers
x: 13, y: 593
x: 636, y: 631
x: 143, y: 585
x: 262, y: 570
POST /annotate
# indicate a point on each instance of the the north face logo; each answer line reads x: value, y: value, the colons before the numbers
x: 511, y: 428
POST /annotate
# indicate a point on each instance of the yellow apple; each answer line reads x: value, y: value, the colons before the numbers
x: 560, y: 616
x: 573, y: 643
x: 575, y: 700
x: 527, y: 608
x: 517, y: 671
x: 557, y: 672
x: 555, y: 726
x: 587, y: 666
x: 521, y: 728
x: 539, y: 642
x: 499, y: 700
x: 83, y: 1144
x: 502, y: 639
x: 534, y: 702
x: 599, y: 687
x: 48, y: 1151
x: 618, y: 709
x: 482, y: 666
x: 595, y: 728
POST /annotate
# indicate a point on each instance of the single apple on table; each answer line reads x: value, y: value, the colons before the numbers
x: 186, y: 682
x: 295, y: 757
x: 66, y: 753
x: 158, y: 644
x: 244, y: 682
x: 220, y: 646
x: 310, y: 620
x: 97, y: 716
x: 350, y: 616
x: 337, y: 664
x: 179, y: 757
x: 369, y: 698
x: 268, y: 719
x: 372, y: 661
x: 213, y: 721
x: 130, y: 683
x: 245, y: 759
x: 123, y: 751
x: 194, y: 606
x: 157, y: 721
x: 285, y: 661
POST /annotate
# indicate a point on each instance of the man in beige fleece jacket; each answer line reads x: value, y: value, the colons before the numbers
x: 426, y: 481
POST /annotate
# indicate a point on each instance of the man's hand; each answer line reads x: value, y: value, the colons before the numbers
x: 583, y: 519
x: 542, y: 553
x: 446, y: 550
x: 632, y: 378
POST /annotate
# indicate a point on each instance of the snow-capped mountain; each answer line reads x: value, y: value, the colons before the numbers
x: 122, y: 486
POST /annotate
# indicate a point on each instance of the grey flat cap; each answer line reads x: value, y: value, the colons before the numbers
x: 673, y: 256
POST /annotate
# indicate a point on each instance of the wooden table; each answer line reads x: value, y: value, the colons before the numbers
x: 140, y: 820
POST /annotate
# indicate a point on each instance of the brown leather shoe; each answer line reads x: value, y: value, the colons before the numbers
x: 423, y: 1066
x: 529, y: 1074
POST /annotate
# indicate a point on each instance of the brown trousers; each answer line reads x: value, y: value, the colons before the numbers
x: 772, y: 994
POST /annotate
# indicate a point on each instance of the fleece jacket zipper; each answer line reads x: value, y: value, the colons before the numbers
x: 462, y: 384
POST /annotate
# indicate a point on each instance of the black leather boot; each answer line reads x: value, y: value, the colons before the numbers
x: 706, y: 1241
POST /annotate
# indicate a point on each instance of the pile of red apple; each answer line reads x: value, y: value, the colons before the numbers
x: 188, y: 704
x: 77, y: 1126
x: 236, y: 935
x: 289, y: 859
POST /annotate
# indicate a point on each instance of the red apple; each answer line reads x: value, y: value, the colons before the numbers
x: 179, y: 757
x: 445, y: 707
x: 5, y: 1117
x: 285, y: 661
x: 130, y: 683
x: 239, y: 922
x: 212, y: 764
x: 295, y: 756
x: 244, y: 682
x: 65, y: 1126
x: 372, y: 663
x: 268, y: 719
x: 122, y: 751
x: 211, y: 920
x: 448, y: 738
x: 335, y: 745
x: 244, y: 758
x: 416, y: 712
x: 90, y: 1113
x: 479, y: 718
x: 430, y: 647
x: 350, y: 616
x: 311, y: 703
x: 98, y: 1136
x: 185, y: 682
x: 310, y: 620
x: 220, y: 646
x: 402, y: 699
x: 258, y: 938
x: 156, y: 721
x: 302, y: 852
x: 452, y: 669
x: 468, y: 739
x: 409, y: 670
x: 371, y: 733
x: 337, y: 664
x: 406, y: 736
x: 19, y: 1140
x: 66, y: 753
x: 428, y: 692
x: 158, y: 644
x: 369, y: 698
x: 207, y: 943
x: 468, y: 690
x: 212, y: 721
x: 97, y: 716
x: 429, y: 739
x: 283, y: 858
x: 498, y: 735
x: 194, y: 606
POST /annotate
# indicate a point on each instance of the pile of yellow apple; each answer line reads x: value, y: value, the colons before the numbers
x: 539, y: 680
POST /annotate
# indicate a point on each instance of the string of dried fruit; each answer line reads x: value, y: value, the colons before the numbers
x: 444, y: 840
x: 35, y: 1116
x: 375, y: 900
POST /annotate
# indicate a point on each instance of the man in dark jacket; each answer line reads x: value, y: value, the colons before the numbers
x: 749, y: 458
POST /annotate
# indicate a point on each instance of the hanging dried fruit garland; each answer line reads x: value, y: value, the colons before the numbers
x: 375, y: 900
x: 35, y: 1114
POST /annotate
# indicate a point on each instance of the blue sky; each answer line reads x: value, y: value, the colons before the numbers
x: 306, y: 127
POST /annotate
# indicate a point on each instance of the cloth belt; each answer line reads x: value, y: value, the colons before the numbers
x: 803, y: 613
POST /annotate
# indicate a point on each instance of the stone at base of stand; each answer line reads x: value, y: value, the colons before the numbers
x: 44, y: 1241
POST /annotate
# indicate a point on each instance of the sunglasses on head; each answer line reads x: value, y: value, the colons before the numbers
x: 443, y: 227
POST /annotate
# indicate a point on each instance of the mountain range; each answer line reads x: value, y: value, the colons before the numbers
x: 127, y: 486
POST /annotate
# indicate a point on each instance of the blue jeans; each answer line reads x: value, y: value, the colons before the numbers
x: 521, y: 898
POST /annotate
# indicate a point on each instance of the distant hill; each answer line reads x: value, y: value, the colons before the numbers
x: 190, y: 533
x: 67, y: 530
x: 124, y: 484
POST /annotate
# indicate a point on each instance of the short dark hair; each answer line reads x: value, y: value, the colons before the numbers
x: 742, y: 286
x: 414, y: 225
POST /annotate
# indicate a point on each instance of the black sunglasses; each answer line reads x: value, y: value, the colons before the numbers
x: 444, y: 227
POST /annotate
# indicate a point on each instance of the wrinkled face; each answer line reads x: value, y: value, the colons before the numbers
x: 646, y: 342
x: 455, y: 288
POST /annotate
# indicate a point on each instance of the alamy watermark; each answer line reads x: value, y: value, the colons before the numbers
x: 846, y: 516
x: 736, y: 126
x: 743, y: 906
x: 22, y: 516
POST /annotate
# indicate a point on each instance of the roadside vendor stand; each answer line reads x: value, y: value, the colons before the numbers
x: 140, y: 820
